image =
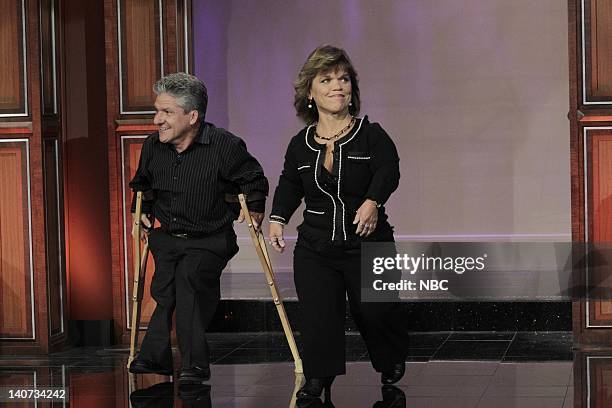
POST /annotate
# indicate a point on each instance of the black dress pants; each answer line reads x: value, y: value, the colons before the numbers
x: 187, y: 276
x: 323, y: 280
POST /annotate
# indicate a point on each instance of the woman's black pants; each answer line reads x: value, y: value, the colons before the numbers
x: 323, y: 280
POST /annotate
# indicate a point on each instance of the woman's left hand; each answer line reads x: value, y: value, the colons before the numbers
x: 366, y: 218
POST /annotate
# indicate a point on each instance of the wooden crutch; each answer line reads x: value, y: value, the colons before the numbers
x: 264, y: 258
x: 299, y: 379
x: 140, y: 269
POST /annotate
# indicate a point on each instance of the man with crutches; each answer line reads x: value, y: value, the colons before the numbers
x: 185, y: 169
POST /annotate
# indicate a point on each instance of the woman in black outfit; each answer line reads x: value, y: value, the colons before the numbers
x: 345, y: 168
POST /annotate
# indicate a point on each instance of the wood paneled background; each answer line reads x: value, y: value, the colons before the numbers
x: 33, y: 281
x: 590, y: 57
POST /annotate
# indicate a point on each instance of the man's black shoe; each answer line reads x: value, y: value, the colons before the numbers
x: 142, y: 366
x: 194, y: 375
x: 394, y: 375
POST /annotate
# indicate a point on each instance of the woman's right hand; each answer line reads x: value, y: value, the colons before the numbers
x: 276, y: 236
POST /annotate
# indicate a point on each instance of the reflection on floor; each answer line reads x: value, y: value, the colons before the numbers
x: 254, y: 370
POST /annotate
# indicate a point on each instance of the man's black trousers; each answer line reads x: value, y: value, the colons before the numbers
x: 323, y: 280
x: 187, y: 274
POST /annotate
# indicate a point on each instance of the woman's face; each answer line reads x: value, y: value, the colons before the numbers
x: 331, y: 91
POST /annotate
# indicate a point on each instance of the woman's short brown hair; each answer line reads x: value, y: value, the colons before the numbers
x: 325, y: 58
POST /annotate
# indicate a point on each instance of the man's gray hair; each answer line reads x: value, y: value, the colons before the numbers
x: 189, y: 91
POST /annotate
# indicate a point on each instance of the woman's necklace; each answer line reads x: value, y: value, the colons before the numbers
x: 340, y: 133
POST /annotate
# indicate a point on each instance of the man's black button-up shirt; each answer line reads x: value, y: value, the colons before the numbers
x: 186, y: 191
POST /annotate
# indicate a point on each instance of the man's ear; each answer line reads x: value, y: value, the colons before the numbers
x: 193, y: 117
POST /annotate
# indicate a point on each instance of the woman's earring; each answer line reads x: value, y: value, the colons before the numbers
x: 309, y: 103
x: 350, y: 103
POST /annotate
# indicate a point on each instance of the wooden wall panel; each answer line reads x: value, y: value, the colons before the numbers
x: 141, y: 55
x: 53, y: 234
x: 598, y: 144
x: 48, y: 56
x: 16, y: 303
x: 597, y: 151
x: 170, y: 36
x: 598, y: 48
x: 600, y: 384
x: 183, y: 34
x: 131, y: 147
x: 13, y: 92
x: 600, y: 209
x: 601, y: 181
x: 592, y: 372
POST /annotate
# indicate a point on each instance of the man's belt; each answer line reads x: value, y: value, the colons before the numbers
x: 195, y: 235
x: 178, y: 235
x: 188, y: 235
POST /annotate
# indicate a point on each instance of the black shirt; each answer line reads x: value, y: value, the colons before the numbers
x: 186, y: 191
x: 365, y: 165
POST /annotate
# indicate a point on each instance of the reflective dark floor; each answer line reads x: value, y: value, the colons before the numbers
x: 484, y: 369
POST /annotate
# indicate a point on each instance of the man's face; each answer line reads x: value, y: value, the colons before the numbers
x: 173, y: 122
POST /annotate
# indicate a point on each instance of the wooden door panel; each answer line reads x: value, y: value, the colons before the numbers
x: 16, y: 272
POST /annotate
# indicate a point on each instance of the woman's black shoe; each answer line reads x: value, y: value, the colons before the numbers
x: 314, y: 387
x: 394, y: 375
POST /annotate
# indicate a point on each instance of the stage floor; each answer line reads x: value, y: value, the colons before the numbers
x: 458, y: 369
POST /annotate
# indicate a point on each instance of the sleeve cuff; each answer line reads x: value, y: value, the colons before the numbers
x: 278, y: 219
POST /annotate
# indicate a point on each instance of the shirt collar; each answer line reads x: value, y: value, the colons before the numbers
x: 204, y: 134
x: 206, y: 129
